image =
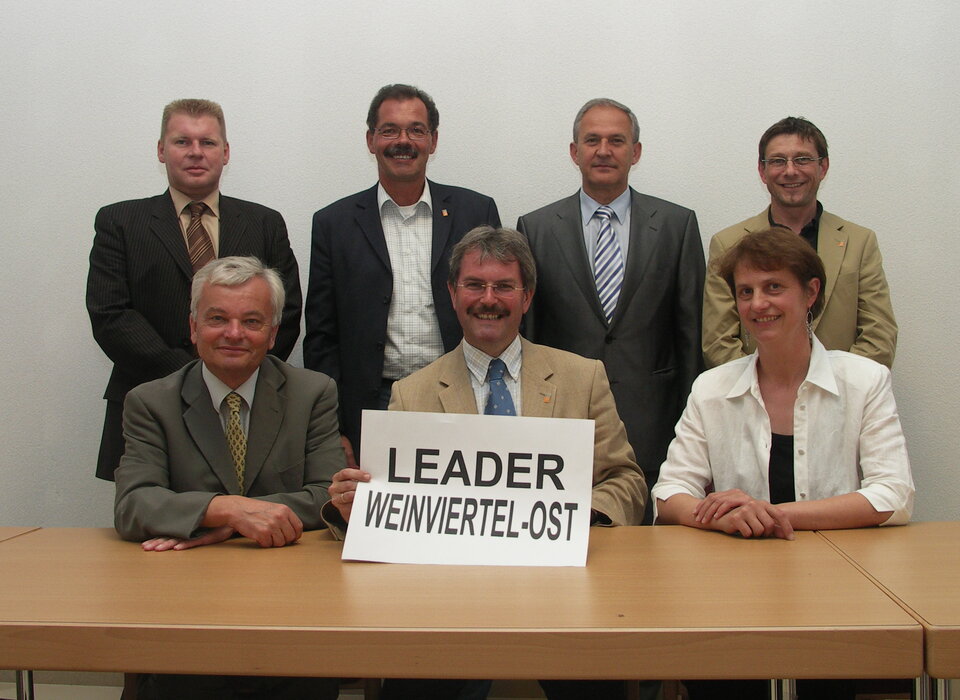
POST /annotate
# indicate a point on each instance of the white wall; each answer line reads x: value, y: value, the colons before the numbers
x: 82, y: 86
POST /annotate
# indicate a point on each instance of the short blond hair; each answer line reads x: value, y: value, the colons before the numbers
x: 194, y: 108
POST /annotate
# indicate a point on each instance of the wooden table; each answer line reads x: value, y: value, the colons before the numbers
x: 663, y: 602
x: 919, y: 565
x: 7, y: 533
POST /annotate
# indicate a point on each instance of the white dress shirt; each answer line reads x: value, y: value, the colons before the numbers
x: 847, y: 435
x: 413, y: 331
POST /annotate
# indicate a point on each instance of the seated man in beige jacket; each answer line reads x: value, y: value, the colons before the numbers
x: 492, y: 281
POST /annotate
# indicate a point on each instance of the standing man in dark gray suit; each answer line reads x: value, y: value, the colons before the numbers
x: 235, y: 443
x: 377, y: 306
x: 145, y: 253
x: 621, y: 280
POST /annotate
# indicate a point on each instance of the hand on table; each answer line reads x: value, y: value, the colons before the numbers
x: 268, y: 524
x: 163, y: 544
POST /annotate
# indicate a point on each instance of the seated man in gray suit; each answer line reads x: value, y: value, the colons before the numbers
x: 235, y: 443
x: 491, y: 282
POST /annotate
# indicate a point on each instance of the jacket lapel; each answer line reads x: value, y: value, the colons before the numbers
x: 832, y: 246
x: 266, y: 416
x: 455, y: 390
x: 644, y: 240
x: 539, y: 395
x: 569, y: 232
x: 442, y: 222
x: 368, y: 219
x: 165, y: 225
x: 233, y: 230
x: 203, y: 424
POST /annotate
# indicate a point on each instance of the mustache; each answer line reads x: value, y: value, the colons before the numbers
x: 481, y: 308
x: 400, y: 149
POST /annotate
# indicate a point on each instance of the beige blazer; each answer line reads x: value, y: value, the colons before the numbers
x: 554, y: 384
x: 857, y: 315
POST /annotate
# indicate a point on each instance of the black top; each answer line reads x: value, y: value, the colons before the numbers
x: 781, y: 469
x: 810, y: 232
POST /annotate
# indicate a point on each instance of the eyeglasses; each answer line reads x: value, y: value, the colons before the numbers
x: 499, y: 289
x: 249, y: 324
x: 414, y: 133
x: 798, y: 162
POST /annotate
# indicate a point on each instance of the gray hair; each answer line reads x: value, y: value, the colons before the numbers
x: 234, y: 271
x: 503, y: 245
x: 606, y: 102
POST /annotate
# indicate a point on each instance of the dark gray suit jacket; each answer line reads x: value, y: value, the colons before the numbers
x: 177, y: 458
x: 351, y: 284
x: 651, y: 349
x: 138, y: 292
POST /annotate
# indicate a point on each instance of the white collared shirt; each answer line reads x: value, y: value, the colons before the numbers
x: 478, y: 362
x: 413, y: 331
x: 847, y: 435
x: 620, y: 222
x: 218, y: 392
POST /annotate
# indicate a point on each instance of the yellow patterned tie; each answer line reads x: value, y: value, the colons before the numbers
x: 235, y: 437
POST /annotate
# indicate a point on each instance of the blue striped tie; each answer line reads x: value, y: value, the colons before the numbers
x: 499, y: 402
x: 608, y: 264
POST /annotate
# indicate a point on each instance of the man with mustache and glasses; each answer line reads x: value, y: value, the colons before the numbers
x: 492, y: 281
x: 377, y: 307
x: 857, y: 315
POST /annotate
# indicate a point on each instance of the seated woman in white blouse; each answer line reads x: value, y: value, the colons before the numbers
x: 793, y: 437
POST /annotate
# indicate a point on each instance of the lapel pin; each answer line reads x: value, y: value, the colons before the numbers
x: 546, y: 399
x: 839, y: 243
x: 443, y: 212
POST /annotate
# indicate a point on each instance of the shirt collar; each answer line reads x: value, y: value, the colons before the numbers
x: 478, y: 361
x: 620, y: 206
x: 819, y: 373
x: 180, y: 201
x: 383, y: 197
x: 218, y: 390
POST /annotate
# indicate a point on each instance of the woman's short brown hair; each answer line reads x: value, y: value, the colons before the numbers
x: 775, y: 249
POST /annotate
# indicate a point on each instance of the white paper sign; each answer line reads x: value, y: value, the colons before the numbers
x: 468, y: 489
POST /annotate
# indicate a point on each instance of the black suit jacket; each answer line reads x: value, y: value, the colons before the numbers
x: 351, y: 284
x: 138, y: 293
x: 651, y: 349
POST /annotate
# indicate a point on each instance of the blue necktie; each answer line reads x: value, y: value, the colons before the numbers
x: 608, y: 263
x: 499, y: 402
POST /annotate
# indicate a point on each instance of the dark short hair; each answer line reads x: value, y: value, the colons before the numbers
x: 503, y: 245
x: 775, y: 249
x: 194, y: 108
x: 799, y: 126
x: 399, y: 91
x: 606, y: 102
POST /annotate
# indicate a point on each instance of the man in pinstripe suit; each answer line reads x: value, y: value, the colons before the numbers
x: 141, y: 264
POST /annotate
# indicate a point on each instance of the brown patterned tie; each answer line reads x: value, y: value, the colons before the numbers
x: 199, y: 245
x: 235, y: 437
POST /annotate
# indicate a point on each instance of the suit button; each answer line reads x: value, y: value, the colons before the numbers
x: 380, y: 346
x: 386, y: 300
x: 609, y: 339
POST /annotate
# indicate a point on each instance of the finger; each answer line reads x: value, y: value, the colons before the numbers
x: 784, y: 528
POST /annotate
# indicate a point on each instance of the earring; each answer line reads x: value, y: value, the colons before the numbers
x: 809, y: 325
